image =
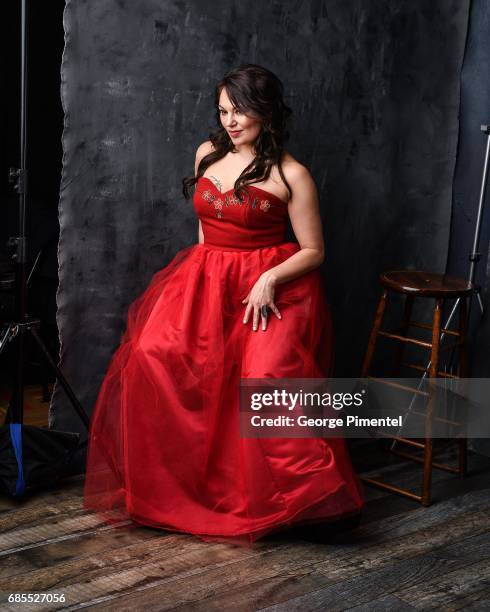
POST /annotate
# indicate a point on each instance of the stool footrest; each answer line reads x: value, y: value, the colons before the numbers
x: 449, y: 332
x: 402, y: 439
x: 405, y: 339
x: 416, y: 341
x: 390, y: 383
x: 416, y: 366
x: 391, y: 488
x: 439, y: 466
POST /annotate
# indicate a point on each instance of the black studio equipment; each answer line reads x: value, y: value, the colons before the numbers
x: 30, y: 457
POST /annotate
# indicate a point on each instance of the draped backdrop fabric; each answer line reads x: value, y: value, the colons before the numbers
x: 165, y: 447
x: 375, y: 92
x: 475, y: 105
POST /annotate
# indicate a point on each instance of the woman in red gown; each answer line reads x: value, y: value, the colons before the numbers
x: 165, y: 448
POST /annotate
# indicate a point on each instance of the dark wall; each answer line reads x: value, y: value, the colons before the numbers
x: 375, y: 91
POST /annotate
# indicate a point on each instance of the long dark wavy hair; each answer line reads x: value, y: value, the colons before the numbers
x: 256, y: 92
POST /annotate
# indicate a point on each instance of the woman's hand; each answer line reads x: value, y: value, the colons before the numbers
x: 261, y: 294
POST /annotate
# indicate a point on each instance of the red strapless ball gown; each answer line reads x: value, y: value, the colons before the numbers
x: 165, y: 448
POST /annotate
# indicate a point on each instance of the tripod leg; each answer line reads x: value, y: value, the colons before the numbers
x: 16, y: 406
x: 7, y: 336
x: 62, y: 380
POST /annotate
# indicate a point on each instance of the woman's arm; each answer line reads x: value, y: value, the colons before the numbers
x: 304, y: 212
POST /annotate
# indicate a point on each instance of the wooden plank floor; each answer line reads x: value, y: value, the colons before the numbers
x: 402, y: 556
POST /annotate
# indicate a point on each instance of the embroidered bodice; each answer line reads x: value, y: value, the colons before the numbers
x: 256, y: 220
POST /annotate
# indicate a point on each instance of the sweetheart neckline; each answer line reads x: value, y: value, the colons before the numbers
x: 269, y: 193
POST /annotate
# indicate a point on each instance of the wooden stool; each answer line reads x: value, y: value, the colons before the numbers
x: 412, y: 284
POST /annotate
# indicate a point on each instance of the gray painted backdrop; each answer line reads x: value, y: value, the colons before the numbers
x: 375, y: 91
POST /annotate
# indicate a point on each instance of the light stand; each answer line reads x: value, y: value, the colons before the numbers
x: 58, y: 443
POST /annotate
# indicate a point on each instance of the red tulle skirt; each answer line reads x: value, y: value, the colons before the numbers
x: 165, y: 448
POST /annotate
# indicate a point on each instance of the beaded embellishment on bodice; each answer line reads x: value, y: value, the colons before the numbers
x: 228, y: 198
x: 256, y: 218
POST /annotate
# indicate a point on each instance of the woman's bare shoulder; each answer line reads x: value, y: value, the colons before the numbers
x: 203, y: 149
x: 294, y: 171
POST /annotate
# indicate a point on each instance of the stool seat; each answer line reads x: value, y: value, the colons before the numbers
x: 421, y: 283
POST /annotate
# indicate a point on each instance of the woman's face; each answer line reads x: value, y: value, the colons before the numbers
x: 242, y: 129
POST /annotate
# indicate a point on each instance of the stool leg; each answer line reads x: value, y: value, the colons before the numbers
x: 462, y: 373
x: 380, y: 310
x: 463, y: 353
x: 436, y: 339
x: 400, y: 350
x: 434, y: 368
